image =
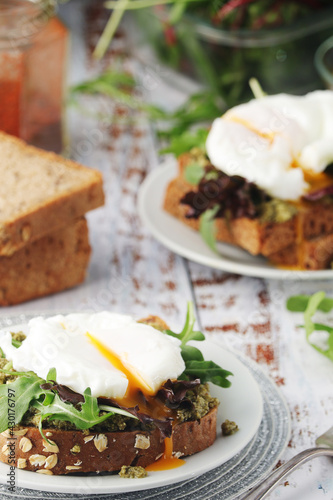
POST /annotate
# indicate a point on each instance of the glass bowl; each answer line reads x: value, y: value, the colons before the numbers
x: 281, y: 59
x: 324, y: 62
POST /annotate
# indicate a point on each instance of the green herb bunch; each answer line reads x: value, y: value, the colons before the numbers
x: 231, y: 14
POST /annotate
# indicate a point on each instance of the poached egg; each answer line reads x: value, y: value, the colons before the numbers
x: 108, y: 352
x: 282, y: 143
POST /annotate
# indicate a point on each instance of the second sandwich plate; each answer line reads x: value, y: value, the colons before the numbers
x: 188, y: 243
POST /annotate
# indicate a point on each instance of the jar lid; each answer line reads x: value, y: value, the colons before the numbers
x: 22, y: 19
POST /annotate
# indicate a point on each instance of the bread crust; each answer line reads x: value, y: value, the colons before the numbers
x: 313, y: 254
x: 45, y: 266
x: 77, y: 452
x: 52, y: 212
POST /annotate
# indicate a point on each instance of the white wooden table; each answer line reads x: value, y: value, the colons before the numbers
x: 132, y: 273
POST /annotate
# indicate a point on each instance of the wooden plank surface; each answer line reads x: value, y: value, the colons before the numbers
x: 130, y: 272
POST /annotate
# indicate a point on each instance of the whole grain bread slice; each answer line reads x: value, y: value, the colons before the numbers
x: 312, y: 254
x: 41, y: 192
x: 50, y: 264
x: 304, y: 241
x: 251, y: 234
x: 78, y: 452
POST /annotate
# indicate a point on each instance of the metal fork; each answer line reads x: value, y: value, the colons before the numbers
x: 324, y: 447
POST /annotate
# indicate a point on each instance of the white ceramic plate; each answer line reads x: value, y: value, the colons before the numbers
x: 242, y: 402
x: 188, y: 243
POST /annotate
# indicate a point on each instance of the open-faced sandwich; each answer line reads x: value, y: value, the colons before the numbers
x: 102, y: 392
x: 264, y: 176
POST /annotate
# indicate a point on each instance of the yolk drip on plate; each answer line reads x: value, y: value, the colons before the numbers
x: 167, y: 461
x: 140, y: 393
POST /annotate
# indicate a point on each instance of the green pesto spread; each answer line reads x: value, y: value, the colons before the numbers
x: 202, y: 402
x: 132, y: 472
x: 229, y: 428
x: 199, y: 156
x: 19, y: 336
x: 7, y: 365
x: 277, y: 211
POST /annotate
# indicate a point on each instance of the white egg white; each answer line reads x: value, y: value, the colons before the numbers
x: 61, y: 342
x: 272, y: 140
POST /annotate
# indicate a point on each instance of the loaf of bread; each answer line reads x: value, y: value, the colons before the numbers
x: 52, y: 263
x: 303, y: 241
x: 41, y: 192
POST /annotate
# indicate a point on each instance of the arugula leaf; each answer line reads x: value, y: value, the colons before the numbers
x: 186, y: 141
x: 207, y: 227
x: 118, y: 86
x: 194, y: 172
x: 190, y: 353
x: 195, y: 364
x: 309, y: 305
x: 310, y: 327
x: 201, y: 108
x: 16, y: 343
x: 187, y: 332
x: 49, y: 395
x: 25, y: 389
x: 86, y: 417
x: 207, y: 371
x: 310, y: 310
x: 298, y: 303
x: 52, y: 375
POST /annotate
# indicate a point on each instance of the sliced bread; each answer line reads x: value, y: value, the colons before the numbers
x: 48, y: 265
x: 104, y: 452
x: 41, y: 192
x: 251, y: 234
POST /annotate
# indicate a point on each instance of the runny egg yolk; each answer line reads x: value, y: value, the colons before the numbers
x: 140, y: 393
x: 135, y: 381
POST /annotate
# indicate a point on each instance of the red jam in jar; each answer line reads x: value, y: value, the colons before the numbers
x: 33, y: 54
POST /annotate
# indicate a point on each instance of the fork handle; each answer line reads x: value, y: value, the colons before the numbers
x: 266, y: 487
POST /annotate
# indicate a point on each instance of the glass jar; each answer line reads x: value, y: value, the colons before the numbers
x: 33, y: 47
x: 281, y: 58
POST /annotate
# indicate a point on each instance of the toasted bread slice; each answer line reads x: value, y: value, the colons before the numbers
x: 304, y: 241
x: 76, y: 451
x: 251, y: 234
x: 312, y: 254
x: 52, y: 263
x: 41, y: 192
